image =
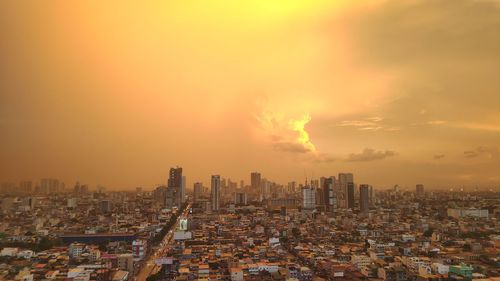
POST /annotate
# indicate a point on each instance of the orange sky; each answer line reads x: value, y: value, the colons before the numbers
x: 115, y: 93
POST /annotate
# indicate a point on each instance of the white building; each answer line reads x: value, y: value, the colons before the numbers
x: 308, y: 198
x: 139, y: 249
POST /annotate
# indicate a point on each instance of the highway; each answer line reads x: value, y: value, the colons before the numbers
x: 149, y: 268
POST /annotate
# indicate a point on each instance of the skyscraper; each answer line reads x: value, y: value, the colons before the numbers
x: 255, y: 180
x: 175, y: 177
x: 308, y: 198
x: 329, y: 194
x: 215, y: 192
x: 177, y: 185
x: 343, y: 180
x: 364, y: 198
x: 350, y: 195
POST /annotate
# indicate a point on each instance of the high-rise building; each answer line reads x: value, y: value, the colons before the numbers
x: 177, y: 183
x: 343, y: 180
x: 215, y: 192
x: 364, y: 198
x: 198, y: 191
x: 329, y: 197
x: 255, y: 180
x: 175, y: 177
x: 419, y: 189
x: 350, y: 195
x: 308, y: 198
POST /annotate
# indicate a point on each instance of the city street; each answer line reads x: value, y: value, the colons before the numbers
x: 149, y: 268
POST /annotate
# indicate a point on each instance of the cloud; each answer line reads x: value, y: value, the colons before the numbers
x: 292, y: 147
x: 489, y: 152
x: 369, y: 154
x: 366, y: 124
x: 439, y: 156
x: 286, y: 133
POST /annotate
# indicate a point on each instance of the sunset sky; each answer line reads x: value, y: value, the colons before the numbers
x: 116, y: 93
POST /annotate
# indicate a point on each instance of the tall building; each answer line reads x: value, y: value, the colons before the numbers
x: 343, y: 180
x: 175, y: 177
x: 177, y: 183
x: 364, y: 198
x: 308, y: 198
x: 255, y: 180
x: 329, y: 197
x: 215, y: 192
x: 419, y: 189
x: 198, y: 191
x: 350, y: 195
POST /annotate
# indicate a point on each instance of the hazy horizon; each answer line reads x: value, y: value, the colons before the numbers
x: 116, y: 93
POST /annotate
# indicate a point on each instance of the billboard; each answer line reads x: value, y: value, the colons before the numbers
x: 183, y: 224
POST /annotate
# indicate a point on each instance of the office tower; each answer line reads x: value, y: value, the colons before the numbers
x: 329, y: 194
x: 198, y: 191
x: 175, y: 177
x: 240, y: 198
x: 292, y: 187
x: 255, y: 181
x: 350, y: 195
x: 242, y: 183
x: 308, y: 198
x: 343, y: 180
x: 26, y: 187
x: 420, y: 190
x: 215, y: 192
x: 176, y: 183
x: 364, y: 198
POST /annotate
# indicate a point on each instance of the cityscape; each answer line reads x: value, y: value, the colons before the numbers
x: 250, y: 140
x: 330, y: 228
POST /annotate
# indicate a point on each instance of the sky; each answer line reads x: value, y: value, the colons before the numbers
x: 115, y: 93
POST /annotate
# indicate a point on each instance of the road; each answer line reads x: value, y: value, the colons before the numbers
x: 149, y: 267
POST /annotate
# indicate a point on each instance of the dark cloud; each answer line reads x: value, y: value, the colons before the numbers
x: 489, y: 152
x: 369, y: 154
x: 438, y: 156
